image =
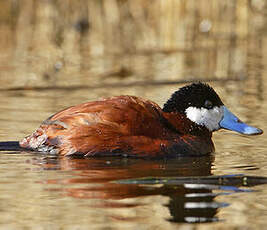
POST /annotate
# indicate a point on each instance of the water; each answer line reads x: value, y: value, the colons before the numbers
x: 41, y: 192
x: 55, y: 54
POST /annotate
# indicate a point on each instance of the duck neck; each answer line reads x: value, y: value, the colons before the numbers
x: 183, y: 125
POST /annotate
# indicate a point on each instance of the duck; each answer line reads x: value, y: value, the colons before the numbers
x: 130, y: 126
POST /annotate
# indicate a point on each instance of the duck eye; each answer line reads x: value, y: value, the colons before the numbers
x: 208, y: 104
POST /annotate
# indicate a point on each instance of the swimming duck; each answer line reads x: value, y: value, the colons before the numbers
x: 132, y: 126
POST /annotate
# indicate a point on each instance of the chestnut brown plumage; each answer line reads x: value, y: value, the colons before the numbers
x: 123, y: 125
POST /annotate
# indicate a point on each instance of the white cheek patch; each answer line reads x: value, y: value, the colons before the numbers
x: 210, y: 118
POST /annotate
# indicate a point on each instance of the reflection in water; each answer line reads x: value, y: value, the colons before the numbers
x: 194, y: 205
x: 94, y: 179
x: 51, y: 44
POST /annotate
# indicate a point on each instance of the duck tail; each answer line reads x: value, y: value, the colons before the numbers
x: 10, y: 146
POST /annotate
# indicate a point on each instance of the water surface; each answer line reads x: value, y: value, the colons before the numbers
x: 55, y: 54
x: 39, y: 191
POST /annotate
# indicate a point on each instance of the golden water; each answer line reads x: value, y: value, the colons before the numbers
x: 48, y: 62
x: 46, y: 193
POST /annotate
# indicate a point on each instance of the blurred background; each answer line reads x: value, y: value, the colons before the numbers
x: 57, y: 53
x: 97, y: 43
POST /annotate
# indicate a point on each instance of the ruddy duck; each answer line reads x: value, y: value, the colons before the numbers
x: 132, y: 126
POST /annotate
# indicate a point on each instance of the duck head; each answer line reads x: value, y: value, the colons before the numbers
x: 201, y: 104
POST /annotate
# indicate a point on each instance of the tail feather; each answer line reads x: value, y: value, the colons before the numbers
x: 10, y: 146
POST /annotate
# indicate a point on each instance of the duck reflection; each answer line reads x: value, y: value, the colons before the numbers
x: 96, y: 177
